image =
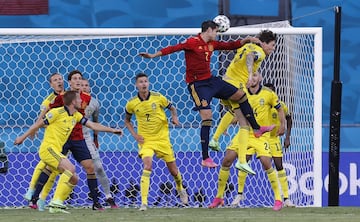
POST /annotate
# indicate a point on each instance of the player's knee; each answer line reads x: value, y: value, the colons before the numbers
x: 88, y: 166
x: 238, y: 96
x: 226, y: 163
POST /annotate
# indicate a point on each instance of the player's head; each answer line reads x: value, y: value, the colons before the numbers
x: 75, y: 77
x: 72, y: 97
x: 268, y: 41
x: 85, y: 86
x: 270, y: 85
x: 57, y: 82
x: 142, y: 82
x: 209, y: 30
x: 256, y: 79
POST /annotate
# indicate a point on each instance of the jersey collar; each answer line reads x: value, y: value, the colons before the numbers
x: 257, y: 92
x: 147, y: 98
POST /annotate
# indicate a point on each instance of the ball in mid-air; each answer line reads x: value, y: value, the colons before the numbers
x: 223, y: 22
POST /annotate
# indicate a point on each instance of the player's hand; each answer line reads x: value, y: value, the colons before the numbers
x: 250, y: 39
x: 175, y: 121
x: 249, y: 82
x: 19, y: 140
x: 118, y: 131
x: 139, y: 139
x: 146, y: 55
x: 287, y: 142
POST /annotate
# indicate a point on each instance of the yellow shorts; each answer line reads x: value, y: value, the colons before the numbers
x: 50, y: 156
x: 162, y: 149
x: 275, y: 147
x: 229, y: 103
x: 258, y: 146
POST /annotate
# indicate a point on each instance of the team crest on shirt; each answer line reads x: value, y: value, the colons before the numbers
x: 153, y: 106
x: 49, y: 115
x: 204, y: 103
x: 262, y: 102
x: 73, y: 122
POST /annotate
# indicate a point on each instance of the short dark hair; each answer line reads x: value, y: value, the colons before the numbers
x: 139, y: 75
x: 270, y: 85
x: 267, y: 36
x: 208, y: 24
x: 69, y: 96
x: 73, y: 73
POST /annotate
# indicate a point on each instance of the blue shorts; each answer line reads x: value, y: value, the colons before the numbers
x: 203, y: 91
x: 78, y: 149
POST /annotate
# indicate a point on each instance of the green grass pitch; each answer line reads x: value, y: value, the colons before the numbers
x: 325, y: 214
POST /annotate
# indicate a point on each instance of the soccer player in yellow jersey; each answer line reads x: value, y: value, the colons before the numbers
x: 60, y: 122
x: 152, y: 134
x: 57, y: 84
x: 262, y: 99
x: 276, y: 147
x: 240, y: 72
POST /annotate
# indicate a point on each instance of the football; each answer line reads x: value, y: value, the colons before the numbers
x: 223, y: 22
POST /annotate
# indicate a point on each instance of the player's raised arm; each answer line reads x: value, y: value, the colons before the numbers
x: 102, y: 128
x: 31, y: 131
x: 149, y: 55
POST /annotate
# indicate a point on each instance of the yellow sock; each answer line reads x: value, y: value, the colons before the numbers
x: 48, y: 185
x: 283, y: 183
x: 37, y: 171
x: 144, y: 186
x: 64, y: 187
x: 274, y: 183
x: 241, y: 181
x: 223, y: 178
x: 178, y: 181
x: 243, y: 136
x: 223, y: 125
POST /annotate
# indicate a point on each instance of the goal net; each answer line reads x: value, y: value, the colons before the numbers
x: 109, y: 59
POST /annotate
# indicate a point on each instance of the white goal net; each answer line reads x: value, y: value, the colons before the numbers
x: 109, y: 59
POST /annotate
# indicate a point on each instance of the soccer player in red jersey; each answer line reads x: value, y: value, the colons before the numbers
x: 203, y: 86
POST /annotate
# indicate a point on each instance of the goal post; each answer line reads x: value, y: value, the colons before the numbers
x: 109, y: 59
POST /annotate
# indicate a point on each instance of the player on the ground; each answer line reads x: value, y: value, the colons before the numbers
x: 262, y: 100
x: 92, y: 112
x: 60, y: 122
x: 152, y: 134
x: 247, y: 61
x: 202, y: 86
x: 57, y: 84
x: 276, y: 147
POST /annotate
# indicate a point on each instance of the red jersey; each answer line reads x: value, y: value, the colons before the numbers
x: 77, y: 133
x: 198, y: 54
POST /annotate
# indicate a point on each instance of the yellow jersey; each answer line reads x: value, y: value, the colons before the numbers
x: 47, y: 101
x: 237, y: 72
x: 275, y: 118
x: 59, y: 126
x: 150, y: 115
x: 262, y: 103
